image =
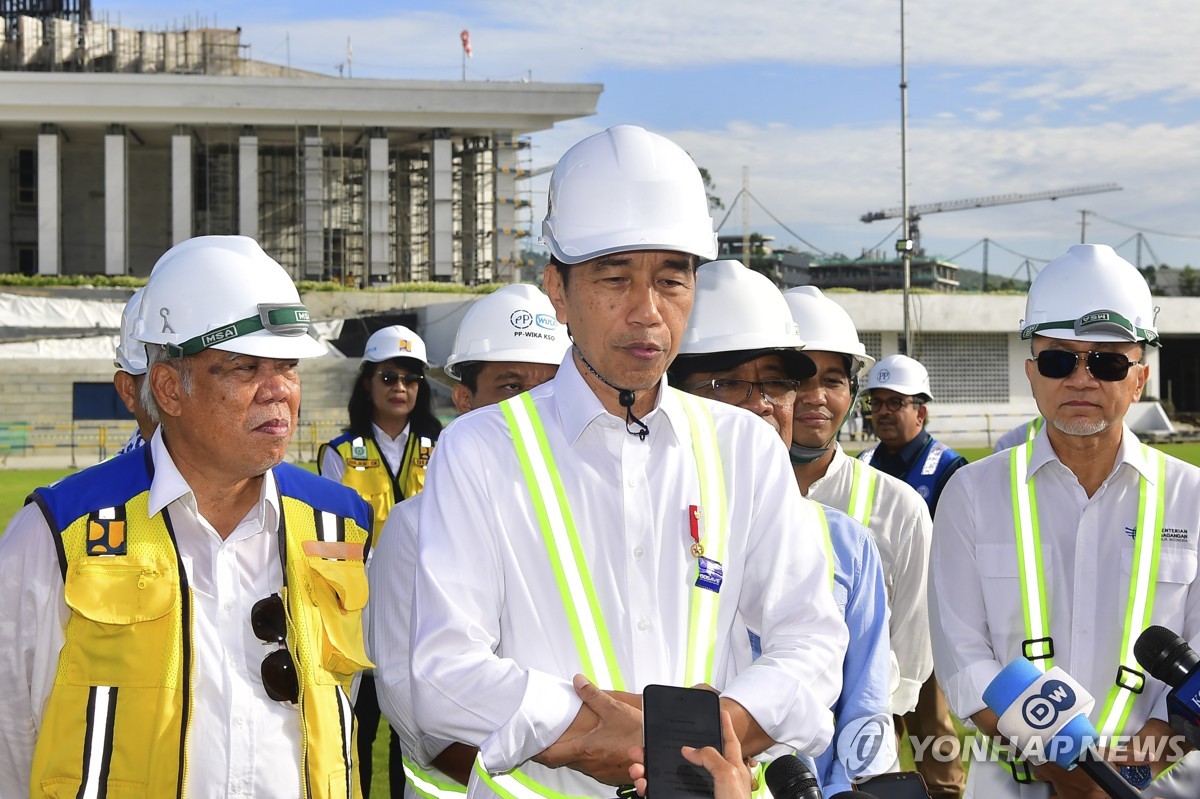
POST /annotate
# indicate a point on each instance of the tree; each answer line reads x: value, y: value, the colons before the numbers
x: 710, y: 191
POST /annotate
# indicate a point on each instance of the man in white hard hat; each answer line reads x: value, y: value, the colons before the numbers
x: 741, y: 347
x: 130, y: 360
x: 507, y: 343
x: 1087, y: 508
x: 186, y: 618
x: 594, y: 504
x: 899, y: 391
x: 896, y: 515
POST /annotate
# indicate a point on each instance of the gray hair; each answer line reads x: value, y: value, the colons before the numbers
x: 156, y: 354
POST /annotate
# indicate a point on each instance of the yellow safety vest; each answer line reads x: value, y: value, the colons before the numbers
x: 367, y: 472
x: 117, y: 718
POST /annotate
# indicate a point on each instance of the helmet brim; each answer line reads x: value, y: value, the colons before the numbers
x: 798, y: 365
x: 264, y: 344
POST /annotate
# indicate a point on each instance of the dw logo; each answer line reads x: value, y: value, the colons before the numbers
x: 860, y: 745
x: 1041, y: 711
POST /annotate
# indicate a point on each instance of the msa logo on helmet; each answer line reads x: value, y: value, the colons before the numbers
x: 218, y: 335
x: 1041, y: 710
x: 1092, y: 318
x: 521, y: 319
x: 546, y: 322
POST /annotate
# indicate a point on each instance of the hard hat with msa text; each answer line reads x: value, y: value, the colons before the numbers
x: 738, y: 315
x: 224, y: 293
x: 513, y: 323
x: 901, y: 374
x: 627, y: 189
x: 825, y: 326
x: 395, y: 341
x: 1090, y: 294
x: 131, y: 353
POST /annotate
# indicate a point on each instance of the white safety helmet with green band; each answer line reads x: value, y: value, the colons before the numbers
x: 224, y: 293
x: 627, y: 189
x: 1090, y: 294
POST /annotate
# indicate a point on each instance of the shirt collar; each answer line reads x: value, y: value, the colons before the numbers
x: 907, y: 454
x: 578, y: 406
x: 168, y: 485
x: 1128, y: 452
x: 380, y: 435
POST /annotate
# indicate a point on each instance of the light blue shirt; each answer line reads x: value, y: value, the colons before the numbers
x: 858, y: 588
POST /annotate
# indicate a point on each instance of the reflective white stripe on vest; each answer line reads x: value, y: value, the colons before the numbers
x: 515, y: 785
x: 430, y: 785
x: 1034, y: 427
x: 1128, y: 678
x: 862, y: 492
x: 97, y: 747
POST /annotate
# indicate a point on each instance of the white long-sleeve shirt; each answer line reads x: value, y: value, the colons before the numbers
x: 241, y: 743
x: 492, y: 654
x: 902, y: 529
x: 1087, y: 550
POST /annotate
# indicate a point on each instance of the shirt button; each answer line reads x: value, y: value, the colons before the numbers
x: 631, y: 483
x: 643, y: 624
x: 638, y: 552
x: 227, y: 607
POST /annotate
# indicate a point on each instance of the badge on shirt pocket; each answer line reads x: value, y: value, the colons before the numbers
x: 709, y: 574
x: 106, y: 532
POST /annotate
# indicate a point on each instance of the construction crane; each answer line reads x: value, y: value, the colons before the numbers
x: 915, y: 212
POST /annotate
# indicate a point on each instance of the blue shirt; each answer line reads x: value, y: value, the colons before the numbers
x: 858, y: 588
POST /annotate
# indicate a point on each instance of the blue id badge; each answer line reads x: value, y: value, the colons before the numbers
x: 709, y: 574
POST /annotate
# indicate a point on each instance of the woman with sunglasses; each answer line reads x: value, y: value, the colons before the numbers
x: 383, y: 455
x: 1063, y: 549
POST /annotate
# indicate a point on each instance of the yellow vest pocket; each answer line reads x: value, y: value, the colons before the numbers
x: 338, y: 589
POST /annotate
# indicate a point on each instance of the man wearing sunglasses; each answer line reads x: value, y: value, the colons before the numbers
x: 1063, y: 549
x: 507, y: 343
x: 742, y: 348
x: 185, y: 619
x: 607, y: 525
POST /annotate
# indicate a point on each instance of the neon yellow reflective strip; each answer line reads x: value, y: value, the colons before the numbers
x: 1029, y: 550
x: 596, y: 654
x: 826, y: 539
x: 1142, y: 581
x: 1034, y: 427
x: 427, y: 785
x: 702, y: 621
x: 862, y: 492
x: 515, y: 785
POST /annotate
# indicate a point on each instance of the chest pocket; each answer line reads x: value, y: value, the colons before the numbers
x: 1176, y: 572
x: 999, y: 572
x: 121, y: 617
x: 338, y: 590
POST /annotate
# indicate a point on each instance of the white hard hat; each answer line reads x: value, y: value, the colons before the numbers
x: 513, y: 323
x: 224, y: 293
x: 131, y: 353
x: 627, y: 189
x: 738, y: 315
x: 396, y: 341
x: 901, y: 374
x: 825, y: 326
x: 1090, y: 294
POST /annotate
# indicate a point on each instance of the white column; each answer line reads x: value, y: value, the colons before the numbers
x: 379, y: 217
x: 248, y: 183
x: 116, y: 205
x: 49, y: 201
x: 441, y: 209
x: 313, y: 220
x: 181, y: 187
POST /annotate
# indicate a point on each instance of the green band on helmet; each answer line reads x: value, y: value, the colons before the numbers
x: 282, y: 320
x: 1109, y: 322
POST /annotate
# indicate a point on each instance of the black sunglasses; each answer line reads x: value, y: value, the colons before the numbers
x: 1110, y: 367
x: 893, y: 404
x: 278, y: 672
x: 391, y: 378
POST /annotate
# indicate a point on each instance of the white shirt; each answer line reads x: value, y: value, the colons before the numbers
x: 902, y: 529
x: 241, y: 743
x: 975, y: 596
x: 392, y: 450
x: 492, y: 654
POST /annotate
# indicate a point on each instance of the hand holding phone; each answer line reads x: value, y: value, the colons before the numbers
x: 673, y: 718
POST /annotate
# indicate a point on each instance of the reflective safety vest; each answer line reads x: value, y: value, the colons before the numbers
x: 862, y: 491
x: 927, y: 469
x: 1038, y: 646
x: 431, y: 784
x: 368, y: 473
x: 591, y: 637
x: 117, y: 719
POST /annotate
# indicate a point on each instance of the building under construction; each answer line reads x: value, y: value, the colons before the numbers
x: 121, y: 143
x: 875, y: 271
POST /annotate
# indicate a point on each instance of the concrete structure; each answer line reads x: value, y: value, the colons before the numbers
x: 121, y: 143
x: 873, y: 271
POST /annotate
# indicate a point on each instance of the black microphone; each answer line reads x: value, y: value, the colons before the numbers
x: 789, y: 778
x: 1169, y: 658
x: 853, y: 795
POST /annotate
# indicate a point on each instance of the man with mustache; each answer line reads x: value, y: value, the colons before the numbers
x: 606, y: 525
x: 1106, y: 529
x: 743, y: 348
x: 899, y: 390
x: 185, y: 619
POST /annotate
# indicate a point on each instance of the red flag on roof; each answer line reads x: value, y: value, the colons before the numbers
x: 466, y: 41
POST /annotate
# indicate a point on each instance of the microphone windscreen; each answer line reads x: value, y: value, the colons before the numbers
x: 1157, y: 650
x: 788, y: 778
x: 1009, y: 684
x: 853, y: 795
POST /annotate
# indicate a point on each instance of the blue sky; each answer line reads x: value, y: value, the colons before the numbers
x: 1003, y: 98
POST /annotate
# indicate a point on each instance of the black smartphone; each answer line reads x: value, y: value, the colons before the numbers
x: 672, y: 718
x: 895, y: 785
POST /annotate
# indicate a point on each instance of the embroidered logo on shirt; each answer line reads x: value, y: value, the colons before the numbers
x: 1168, y: 534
